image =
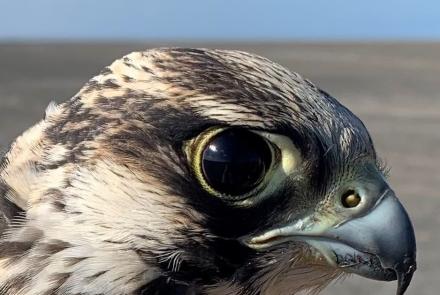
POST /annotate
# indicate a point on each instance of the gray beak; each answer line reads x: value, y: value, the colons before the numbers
x: 378, y: 245
x: 386, y: 233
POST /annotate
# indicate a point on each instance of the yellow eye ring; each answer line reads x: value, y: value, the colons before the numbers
x: 350, y: 199
x: 195, y: 156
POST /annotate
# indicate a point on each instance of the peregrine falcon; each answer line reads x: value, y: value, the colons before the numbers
x: 197, y: 171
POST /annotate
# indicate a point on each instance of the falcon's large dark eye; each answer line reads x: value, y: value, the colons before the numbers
x: 234, y: 161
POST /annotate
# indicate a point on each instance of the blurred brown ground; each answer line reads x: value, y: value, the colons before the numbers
x: 393, y: 88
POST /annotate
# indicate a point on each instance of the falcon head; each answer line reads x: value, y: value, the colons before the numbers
x: 195, y: 171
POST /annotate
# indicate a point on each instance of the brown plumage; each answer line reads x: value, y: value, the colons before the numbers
x: 106, y: 196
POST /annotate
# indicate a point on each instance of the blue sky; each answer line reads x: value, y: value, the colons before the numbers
x: 220, y: 19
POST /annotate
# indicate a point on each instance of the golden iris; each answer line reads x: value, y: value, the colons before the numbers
x: 351, y: 199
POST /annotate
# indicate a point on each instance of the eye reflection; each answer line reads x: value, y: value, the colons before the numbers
x: 235, y: 161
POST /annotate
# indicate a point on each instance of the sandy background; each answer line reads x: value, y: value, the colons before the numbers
x: 393, y: 88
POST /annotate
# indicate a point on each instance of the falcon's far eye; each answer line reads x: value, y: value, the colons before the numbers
x: 233, y: 162
x: 350, y: 199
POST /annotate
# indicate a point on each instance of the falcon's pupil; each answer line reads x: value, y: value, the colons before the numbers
x: 235, y: 161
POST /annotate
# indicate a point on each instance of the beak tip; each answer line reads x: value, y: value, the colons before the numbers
x: 405, y: 272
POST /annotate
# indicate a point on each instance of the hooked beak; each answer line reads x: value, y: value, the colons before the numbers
x: 379, y: 245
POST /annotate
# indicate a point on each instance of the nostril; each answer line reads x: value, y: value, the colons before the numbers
x: 350, y: 199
